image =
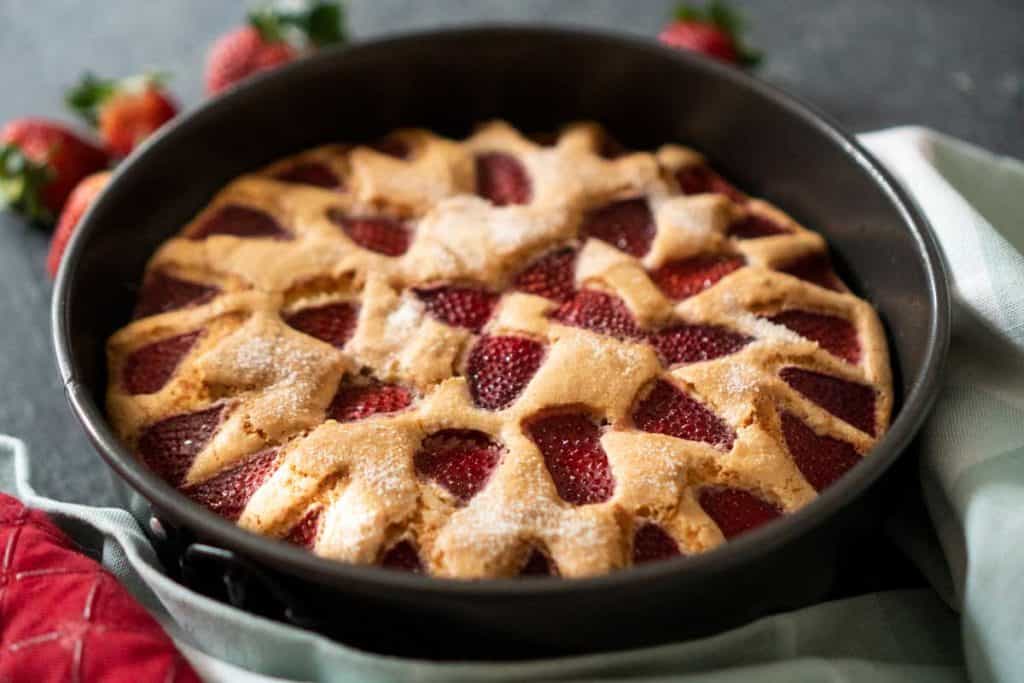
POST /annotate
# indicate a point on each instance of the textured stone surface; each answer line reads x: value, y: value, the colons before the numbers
x: 953, y: 65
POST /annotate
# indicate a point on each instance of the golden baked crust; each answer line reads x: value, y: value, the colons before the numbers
x: 230, y: 352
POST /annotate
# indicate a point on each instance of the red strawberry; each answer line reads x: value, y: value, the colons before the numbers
x: 551, y: 276
x: 41, y: 162
x: 467, y: 307
x: 836, y: 335
x: 162, y: 292
x: 651, y: 543
x: 815, y: 268
x: 78, y: 203
x: 502, y: 179
x: 460, y: 460
x: 262, y: 44
x: 169, y: 446
x: 699, y: 179
x: 402, y: 556
x: 147, y: 370
x: 360, y: 401
x: 499, y: 367
x: 598, y: 312
x: 381, y: 234
x: 627, y: 225
x: 571, y: 446
x: 736, y: 511
x: 821, y: 459
x: 332, y: 323
x: 684, y: 343
x: 753, y: 225
x: 849, y: 401
x: 667, y: 410
x: 125, y: 111
x: 311, y: 173
x: 713, y: 32
x: 538, y: 564
x: 228, y: 492
x: 240, y: 221
x: 305, y: 531
x: 687, y: 277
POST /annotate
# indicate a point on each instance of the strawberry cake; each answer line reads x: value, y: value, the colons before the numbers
x: 495, y: 357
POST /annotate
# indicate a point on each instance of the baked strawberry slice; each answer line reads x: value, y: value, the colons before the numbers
x: 312, y: 173
x: 821, y: 459
x: 652, y: 543
x: 836, y: 335
x: 690, y: 276
x: 459, y: 460
x: 468, y: 307
x: 332, y: 323
x: 240, y: 221
x: 610, y: 148
x: 499, y: 368
x: 598, y: 312
x: 305, y: 531
x: 360, y: 401
x: 552, y: 276
x: 570, y: 444
x: 815, y: 268
x: 502, y: 179
x: 402, y: 556
x: 667, y: 410
x: 228, y: 492
x: 161, y: 293
x: 381, y: 234
x: 538, y: 564
x: 849, y: 401
x: 393, y: 146
x: 627, y: 225
x: 699, y: 179
x: 683, y: 343
x: 147, y: 369
x: 169, y: 446
x: 736, y: 511
x: 753, y: 226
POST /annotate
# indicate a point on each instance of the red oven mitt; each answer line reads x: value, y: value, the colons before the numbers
x: 64, y: 618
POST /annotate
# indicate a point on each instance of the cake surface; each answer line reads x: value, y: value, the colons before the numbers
x: 496, y: 357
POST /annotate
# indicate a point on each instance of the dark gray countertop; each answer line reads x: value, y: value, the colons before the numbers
x: 954, y: 65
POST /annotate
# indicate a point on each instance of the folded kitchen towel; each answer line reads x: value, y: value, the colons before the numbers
x: 970, y: 625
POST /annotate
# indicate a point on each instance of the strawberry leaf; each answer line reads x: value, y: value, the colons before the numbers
x: 318, y: 23
x: 86, y: 98
x: 21, y: 183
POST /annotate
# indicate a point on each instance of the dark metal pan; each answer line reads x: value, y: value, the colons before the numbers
x: 537, y: 78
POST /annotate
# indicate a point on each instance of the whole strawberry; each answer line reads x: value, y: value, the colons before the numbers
x: 274, y: 36
x: 79, y: 201
x: 714, y: 31
x: 40, y: 163
x: 125, y: 111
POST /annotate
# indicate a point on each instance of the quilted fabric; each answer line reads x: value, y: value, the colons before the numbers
x: 64, y: 619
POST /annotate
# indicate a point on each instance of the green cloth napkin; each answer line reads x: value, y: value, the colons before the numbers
x: 972, y: 472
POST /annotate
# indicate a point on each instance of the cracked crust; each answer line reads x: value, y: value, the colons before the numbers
x: 277, y: 383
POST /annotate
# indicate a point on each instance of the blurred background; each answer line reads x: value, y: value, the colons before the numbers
x: 954, y: 65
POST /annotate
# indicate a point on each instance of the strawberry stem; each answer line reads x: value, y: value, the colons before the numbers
x: 86, y: 98
x: 21, y: 183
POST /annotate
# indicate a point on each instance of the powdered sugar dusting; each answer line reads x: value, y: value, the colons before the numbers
x: 404, y: 320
